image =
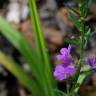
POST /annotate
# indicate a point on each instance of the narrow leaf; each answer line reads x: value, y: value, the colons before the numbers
x: 17, y: 71
x: 23, y: 46
x: 75, y: 20
x: 39, y: 36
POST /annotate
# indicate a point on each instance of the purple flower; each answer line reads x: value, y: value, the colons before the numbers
x: 65, y: 55
x: 66, y: 68
x: 91, y: 61
x: 62, y: 73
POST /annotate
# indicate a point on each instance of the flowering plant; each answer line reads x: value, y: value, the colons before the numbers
x: 42, y: 83
x: 65, y: 69
x: 70, y: 68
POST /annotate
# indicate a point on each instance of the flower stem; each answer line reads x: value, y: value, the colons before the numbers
x: 67, y: 87
x: 83, y: 14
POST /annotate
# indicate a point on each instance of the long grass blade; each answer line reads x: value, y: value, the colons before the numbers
x: 41, y: 46
x: 25, y: 49
x: 22, y: 76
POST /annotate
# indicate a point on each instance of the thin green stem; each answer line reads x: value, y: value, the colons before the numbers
x: 67, y: 87
x: 82, y: 38
x: 82, y: 30
x: 81, y: 55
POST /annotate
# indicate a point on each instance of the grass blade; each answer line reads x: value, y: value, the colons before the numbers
x: 22, y: 76
x: 30, y: 55
x: 41, y: 46
x: 25, y: 49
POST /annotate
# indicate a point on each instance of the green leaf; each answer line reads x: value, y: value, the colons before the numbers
x: 21, y: 44
x: 79, y: 82
x: 72, y: 41
x: 82, y: 77
x: 79, y: 1
x: 29, y: 54
x: 75, y: 20
x: 87, y: 36
x: 60, y: 92
x: 85, y: 67
x: 74, y: 94
x: 93, y: 34
x: 21, y: 75
x: 41, y: 46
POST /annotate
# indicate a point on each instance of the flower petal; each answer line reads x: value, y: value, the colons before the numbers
x: 69, y: 48
x: 91, y: 61
x: 64, y: 51
x: 61, y: 72
x: 59, y: 57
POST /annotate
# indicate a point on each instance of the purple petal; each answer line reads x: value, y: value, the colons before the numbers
x: 58, y: 69
x: 67, y: 62
x: 71, y: 70
x: 61, y: 72
x: 62, y: 77
x: 59, y: 57
x: 69, y: 48
x: 64, y: 51
x: 91, y: 61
